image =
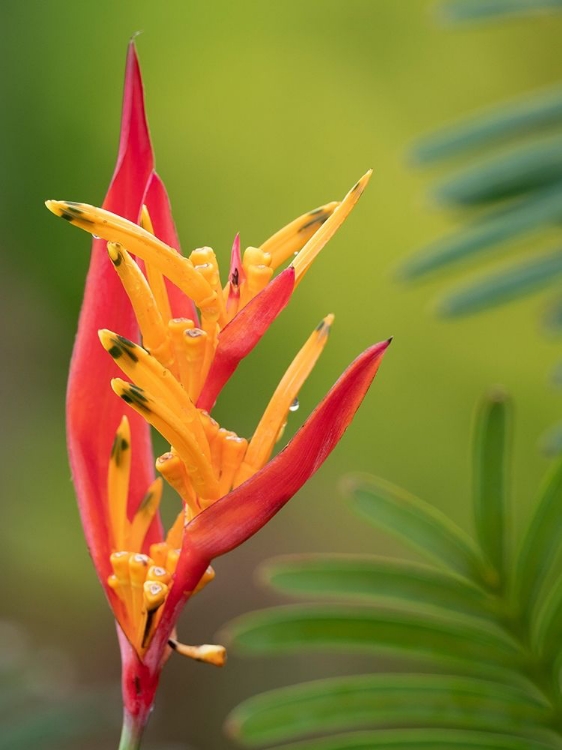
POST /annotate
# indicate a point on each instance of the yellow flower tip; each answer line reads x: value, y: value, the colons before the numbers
x: 159, y: 573
x: 55, y: 207
x: 145, y: 220
x: 327, y: 323
x: 208, y: 653
x: 154, y: 491
x: 309, y: 252
x: 116, y: 346
x: 131, y: 394
x: 207, y: 577
x: 114, y: 250
x: 155, y: 594
x: 120, y: 564
x: 121, y: 443
x: 68, y: 210
x: 364, y: 181
x: 124, y: 428
x: 106, y: 336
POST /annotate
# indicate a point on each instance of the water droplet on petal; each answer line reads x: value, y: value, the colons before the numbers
x: 96, y: 237
x: 294, y: 405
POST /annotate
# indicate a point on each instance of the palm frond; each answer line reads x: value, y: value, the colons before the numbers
x: 509, y: 191
x: 465, y: 11
x: 486, y: 615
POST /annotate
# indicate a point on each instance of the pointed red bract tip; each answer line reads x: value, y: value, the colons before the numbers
x: 237, y: 516
x: 243, y: 332
x: 93, y: 412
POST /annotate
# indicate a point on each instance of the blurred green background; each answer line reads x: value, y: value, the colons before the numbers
x: 259, y: 111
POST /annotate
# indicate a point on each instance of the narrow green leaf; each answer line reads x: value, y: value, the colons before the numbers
x: 418, y: 524
x: 422, y: 739
x: 490, y: 471
x: 541, y: 544
x: 471, y: 645
x: 461, y: 11
x: 524, y: 115
x: 375, y: 579
x: 332, y: 705
x: 503, y: 287
x: 547, y: 629
x: 542, y: 208
x: 522, y: 170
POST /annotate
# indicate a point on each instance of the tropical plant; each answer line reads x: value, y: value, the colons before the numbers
x: 195, y: 330
x: 485, y: 615
x: 511, y: 192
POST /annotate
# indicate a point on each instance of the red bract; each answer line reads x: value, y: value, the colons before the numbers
x: 229, y: 486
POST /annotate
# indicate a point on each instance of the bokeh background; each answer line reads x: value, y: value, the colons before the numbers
x: 258, y: 112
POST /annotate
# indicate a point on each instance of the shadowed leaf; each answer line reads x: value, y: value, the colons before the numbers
x: 327, y: 706
x: 526, y: 214
x: 521, y: 170
x: 417, y: 523
x: 421, y: 739
x: 503, y: 286
x: 547, y: 630
x: 374, y: 579
x: 467, y: 643
x: 490, y: 468
x: 524, y: 115
x: 462, y: 11
x: 541, y: 544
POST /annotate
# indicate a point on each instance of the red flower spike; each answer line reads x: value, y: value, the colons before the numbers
x: 243, y: 332
x: 92, y: 418
x: 228, y: 485
x: 245, y: 510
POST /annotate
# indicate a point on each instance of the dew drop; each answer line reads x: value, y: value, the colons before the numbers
x: 294, y: 405
x: 96, y: 237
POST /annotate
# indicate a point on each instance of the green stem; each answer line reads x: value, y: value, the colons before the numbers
x: 131, y: 733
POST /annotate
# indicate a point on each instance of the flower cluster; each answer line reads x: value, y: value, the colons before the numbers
x: 194, y: 331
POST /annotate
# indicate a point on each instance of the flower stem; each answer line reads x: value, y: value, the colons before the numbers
x: 131, y: 733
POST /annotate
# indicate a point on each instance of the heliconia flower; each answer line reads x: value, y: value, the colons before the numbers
x: 194, y: 332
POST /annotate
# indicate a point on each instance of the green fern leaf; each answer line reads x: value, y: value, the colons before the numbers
x: 490, y: 479
x: 421, y: 739
x: 463, y: 11
x: 540, y: 546
x: 385, y: 700
x: 375, y: 580
x: 498, y: 637
x: 527, y: 114
x: 464, y: 643
x: 542, y: 207
x: 419, y: 524
x: 504, y: 286
x: 521, y: 170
